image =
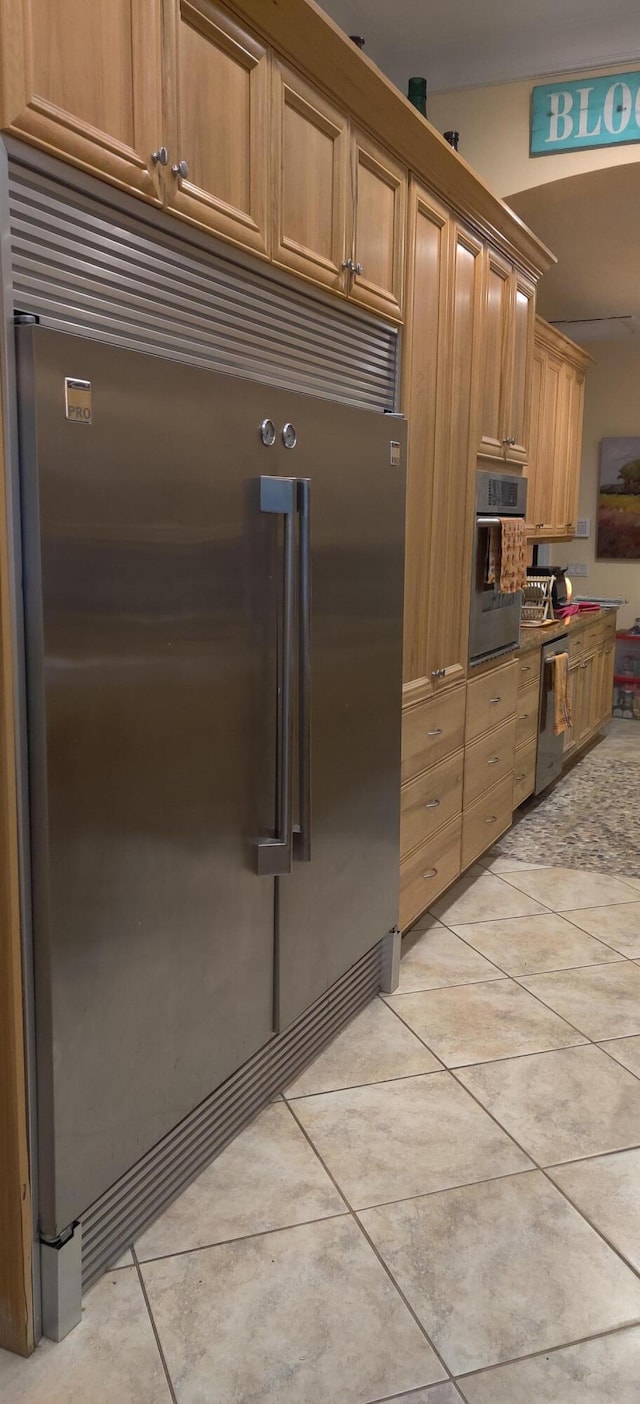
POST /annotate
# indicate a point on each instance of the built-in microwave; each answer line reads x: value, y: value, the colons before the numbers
x: 494, y: 626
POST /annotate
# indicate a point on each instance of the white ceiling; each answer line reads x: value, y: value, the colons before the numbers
x: 464, y: 43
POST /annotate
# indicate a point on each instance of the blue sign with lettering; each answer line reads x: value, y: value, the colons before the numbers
x: 585, y: 113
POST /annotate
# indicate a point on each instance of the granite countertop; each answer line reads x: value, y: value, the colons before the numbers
x: 535, y: 638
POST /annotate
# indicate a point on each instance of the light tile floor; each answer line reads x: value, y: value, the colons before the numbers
x: 444, y: 1207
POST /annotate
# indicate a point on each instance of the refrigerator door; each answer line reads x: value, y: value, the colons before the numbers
x: 334, y: 907
x: 151, y: 629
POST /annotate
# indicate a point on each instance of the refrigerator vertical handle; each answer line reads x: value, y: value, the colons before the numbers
x: 278, y: 495
x: 302, y: 834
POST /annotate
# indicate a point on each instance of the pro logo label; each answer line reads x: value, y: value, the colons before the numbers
x: 77, y: 400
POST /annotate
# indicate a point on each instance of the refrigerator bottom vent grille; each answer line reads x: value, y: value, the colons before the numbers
x: 128, y: 1207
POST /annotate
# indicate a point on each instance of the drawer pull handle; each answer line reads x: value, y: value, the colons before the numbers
x: 495, y: 760
x: 438, y: 672
x: 521, y: 776
x: 493, y: 700
x: 492, y: 819
x: 433, y: 804
x: 431, y: 872
x: 526, y: 668
x: 437, y: 732
x: 523, y: 716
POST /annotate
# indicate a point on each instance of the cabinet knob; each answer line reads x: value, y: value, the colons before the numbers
x: 355, y: 268
x: 180, y: 169
x: 509, y: 443
x: 438, y: 672
x: 160, y: 157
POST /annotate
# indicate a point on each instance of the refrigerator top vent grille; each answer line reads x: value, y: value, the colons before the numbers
x: 85, y: 267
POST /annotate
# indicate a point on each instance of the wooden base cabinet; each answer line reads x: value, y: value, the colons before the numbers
x: 557, y: 405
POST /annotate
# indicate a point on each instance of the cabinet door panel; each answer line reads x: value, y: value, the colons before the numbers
x: 497, y: 340
x: 535, y: 475
x: 85, y: 82
x: 517, y: 420
x: 453, y: 503
x: 218, y: 86
x: 380, y: 186
x: 423, y: 381
x: 567, y: 478
x: 310, y: 163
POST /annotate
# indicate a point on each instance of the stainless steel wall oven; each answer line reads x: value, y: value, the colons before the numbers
x: 495, y: 617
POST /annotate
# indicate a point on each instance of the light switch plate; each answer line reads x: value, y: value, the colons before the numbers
x: 583, y: 527
x: 578, y: 568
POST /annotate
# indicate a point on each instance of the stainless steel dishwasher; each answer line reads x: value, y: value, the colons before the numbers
x: 550, y: 747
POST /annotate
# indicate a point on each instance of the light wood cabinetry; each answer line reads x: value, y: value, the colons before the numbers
x: 524, y: 772
x: 431, y: 800
x: 488, y: 760
x: 85, y: 81
x: 527, y: 710
x: 428, y: 871
x: 310, y: 168
x: 557, y: 404
x: 491, y: 699
x: 509, y: 310
x: 430, y: 731
x: 377, y: 226
x: 217, y: 122
x: 484, y: 821
x: 443, y: 320
x: 339, y: 209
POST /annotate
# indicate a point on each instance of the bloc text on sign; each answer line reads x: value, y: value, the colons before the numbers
x: 585, y: 113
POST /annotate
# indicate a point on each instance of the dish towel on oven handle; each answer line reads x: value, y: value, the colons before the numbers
x: 562, y: 718
x: 507, y: 555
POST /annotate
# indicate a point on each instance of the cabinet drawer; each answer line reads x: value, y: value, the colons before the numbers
x: 593, y: 637
x: 528, y: 705
x: 429, y: 871
x: 431, y: 801
x: 484, y: 821
x: 524, y: 774
x: 529, y: 668
x: 487, y: 761
x: 491, y: 699
x: 431, y: 731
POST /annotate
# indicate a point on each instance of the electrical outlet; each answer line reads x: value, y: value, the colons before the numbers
x: 578, y: 568
x: 583, y: 528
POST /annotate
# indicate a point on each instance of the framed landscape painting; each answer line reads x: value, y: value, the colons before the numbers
x: 619, y: 500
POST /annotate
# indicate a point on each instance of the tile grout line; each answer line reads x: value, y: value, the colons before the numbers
x: 240, y: 1238
x: 545, y: 1350
x: 518, y: 981
x: 536, y: 1166
x: 387, y: 1270
x: 582, y: 1038
x: 154, y: 1328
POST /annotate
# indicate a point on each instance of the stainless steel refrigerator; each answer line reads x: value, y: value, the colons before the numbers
x: 213, y: 602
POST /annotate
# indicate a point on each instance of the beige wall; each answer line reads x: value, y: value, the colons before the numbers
x: 494, y: 136
x: 611, y: 407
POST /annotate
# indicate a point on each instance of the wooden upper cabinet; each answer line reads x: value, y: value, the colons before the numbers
x: 566, y: 484
x: 518, y: 400
x: 557, y: 404
x: 496, y: 338
x: 310, y: 170
x: 378, y: 230
x: 509, y: 313
x: 423, y: 382
x: 85, y: 80
x: 453, y: 509
x: 218, y: 109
